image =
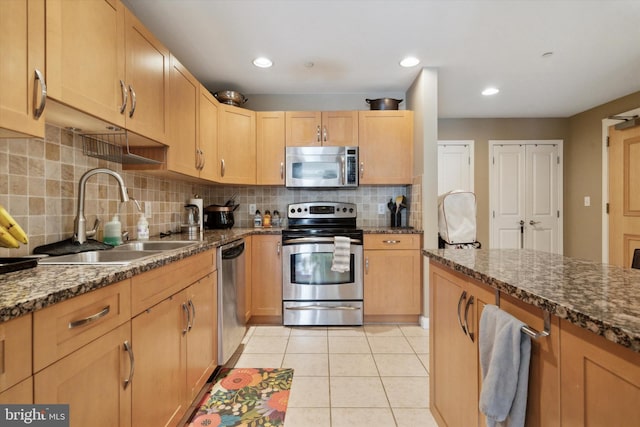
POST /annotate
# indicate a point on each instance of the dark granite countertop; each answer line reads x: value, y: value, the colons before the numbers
x: 25, y: 291
x: 602, y: 298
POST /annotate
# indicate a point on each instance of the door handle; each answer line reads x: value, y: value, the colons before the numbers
x: 133, y: 101
x: 188, y: 316
x: 324, y: 133
x: 318, y: 134
x: 127, y: 347
x: 281, y: 170
x: 125, y: 96
x: 521, y: 234
x: 222, y: 167
x: 361, y: 169
x: 532, y: 222
x: 43, y: 95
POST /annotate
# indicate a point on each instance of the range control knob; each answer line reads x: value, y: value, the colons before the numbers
x: 293, y: 210
x: 350, y: 210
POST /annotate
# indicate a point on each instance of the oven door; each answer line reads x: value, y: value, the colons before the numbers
x: 307, y: 274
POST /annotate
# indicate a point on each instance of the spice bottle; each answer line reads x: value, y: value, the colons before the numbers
x: 257, y: 219
x: 266, y: 220
x: 275, y: 219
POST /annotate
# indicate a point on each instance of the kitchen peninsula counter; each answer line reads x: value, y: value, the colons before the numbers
x: 601, y: 298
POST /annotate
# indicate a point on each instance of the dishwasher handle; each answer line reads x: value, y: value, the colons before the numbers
x: 232, y: 250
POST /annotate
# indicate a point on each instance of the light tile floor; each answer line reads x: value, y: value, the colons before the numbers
x: 348, y: 376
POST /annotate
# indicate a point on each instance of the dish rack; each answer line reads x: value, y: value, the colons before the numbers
x: 113, y: 147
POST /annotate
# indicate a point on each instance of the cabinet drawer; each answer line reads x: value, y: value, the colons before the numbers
x: 392, y: 241
x: 65, y: 327
x: 150, y: 288
x: 15, y: 351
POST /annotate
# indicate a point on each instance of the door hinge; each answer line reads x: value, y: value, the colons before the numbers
x: 558, y: 213
x: 558, y: 160
x: 607, y: 141
x: 494, y: 214
x: 469, y: 160
x: 493, y: 160
x: 607, y: 208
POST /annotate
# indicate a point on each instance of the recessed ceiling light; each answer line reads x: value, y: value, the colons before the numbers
x: 490, y: 91
x: 262, y: 62
x: 409, y: 61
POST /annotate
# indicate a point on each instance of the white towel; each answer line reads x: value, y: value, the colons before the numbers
x: 505, y: 352
x: 341, y: 254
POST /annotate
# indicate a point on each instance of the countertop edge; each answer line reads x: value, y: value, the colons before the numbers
x: 607, y: 330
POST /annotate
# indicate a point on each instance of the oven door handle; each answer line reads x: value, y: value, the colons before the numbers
x: 316, y: 240
x: 323, y: 307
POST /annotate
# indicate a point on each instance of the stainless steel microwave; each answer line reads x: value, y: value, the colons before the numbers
x: 321, y: 167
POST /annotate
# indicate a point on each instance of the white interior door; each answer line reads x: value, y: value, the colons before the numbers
x: 526, y: 193
x: 455, y: 166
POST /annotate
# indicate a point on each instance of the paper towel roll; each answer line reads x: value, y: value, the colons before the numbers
x: 200, y: 219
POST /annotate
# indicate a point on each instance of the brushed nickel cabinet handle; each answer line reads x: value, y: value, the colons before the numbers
x: 89, y: 319
x: 361, y: 169
x: 37, y: 112
x: 222, y: 167
x: 278, y: 249
x: 324, y: 133
x: 188, y: 315
x: 132, y: 362
x: 463, y: 296
x: 318, y: 134
x: 193, y: 311
x: 133, y: 101
x: 391, y: 242
x: 203, y: 160
x: 366, y: 265
x: 125, y: 96
x: 281, y: 170
x: 466, y: 317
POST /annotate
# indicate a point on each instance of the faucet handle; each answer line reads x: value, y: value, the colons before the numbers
x: 94, y: 230
x: 125, y: 236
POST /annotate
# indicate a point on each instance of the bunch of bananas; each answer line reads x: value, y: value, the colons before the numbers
x: 10, y: 232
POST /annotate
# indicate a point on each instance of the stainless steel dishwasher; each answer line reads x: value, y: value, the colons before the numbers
x: 231, y: 285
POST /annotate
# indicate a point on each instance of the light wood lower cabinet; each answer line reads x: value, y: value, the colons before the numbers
x: 600, y: 380
x: 392, y: 276
x: 21, y: 393
x: 15, y: 354
x: 93, y: 381
x: 576, y: 378
x: 266, y: 275
x: 174, y: 336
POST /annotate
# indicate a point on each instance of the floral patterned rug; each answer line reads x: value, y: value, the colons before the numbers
x: 247, y: 397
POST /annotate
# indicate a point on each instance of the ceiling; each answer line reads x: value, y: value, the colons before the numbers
x: 355, y: 47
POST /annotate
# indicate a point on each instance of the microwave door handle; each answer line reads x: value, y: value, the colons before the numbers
x: 316, y: 240
x: 342, y: 172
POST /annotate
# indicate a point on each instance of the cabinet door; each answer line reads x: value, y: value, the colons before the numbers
x: 21, y: 393
x: 392, y: 282
x: 543, y: 399
x: 453, y: 361
x: 22, y: 47
x: 237, y: 145
x: 85, y: 56
x: 266, y: 275
x: 340, y: 128
x: 208, y: 135
x: 183, y: 120
x: 92, y: 380
x: 15, y: 351
x: 159, y: 336
x: 248, y: 260
x: 270, y: 131
x: 304, y: 128
x: 386, y: 147
x: 600, y: 380
x: 202, y: 344
x: 147, y: 79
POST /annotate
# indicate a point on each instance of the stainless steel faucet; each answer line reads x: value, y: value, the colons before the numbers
x: 80, y: 232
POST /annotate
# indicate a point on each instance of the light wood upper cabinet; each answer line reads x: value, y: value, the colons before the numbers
x: 206, y: 151
x: 270, y: 136
x: 183, y: 120
x: 102, y: 61
x: 147, y: 80
x: 236, y: 145
x: 86, y: 56
x: 315, y: 128
x: 22, y: 66
x: 386, y: 147
x: 393, y: 269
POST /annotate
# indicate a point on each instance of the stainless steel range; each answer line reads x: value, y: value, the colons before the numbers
x: 322, y: 265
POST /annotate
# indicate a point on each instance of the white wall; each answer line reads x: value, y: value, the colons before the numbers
x: 422, y: 98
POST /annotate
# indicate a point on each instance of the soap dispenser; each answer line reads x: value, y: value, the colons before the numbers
x: 113, y: 232
x: 143, y: 228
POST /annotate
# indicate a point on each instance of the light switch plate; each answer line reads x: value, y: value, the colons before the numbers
x: 587, y: 201
x: 381, y: 208
x: 252, y: 209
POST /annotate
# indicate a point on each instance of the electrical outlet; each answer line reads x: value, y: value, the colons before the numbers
x: 147, y: 210
x: 381, y: 208
x: 252, y: 208
x: 587, y: 201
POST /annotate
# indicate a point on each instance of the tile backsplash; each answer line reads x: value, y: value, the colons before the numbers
x: 39, y: 187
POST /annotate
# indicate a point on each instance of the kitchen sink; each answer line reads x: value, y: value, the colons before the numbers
x: 153, y: 246
x: 108, y: 257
